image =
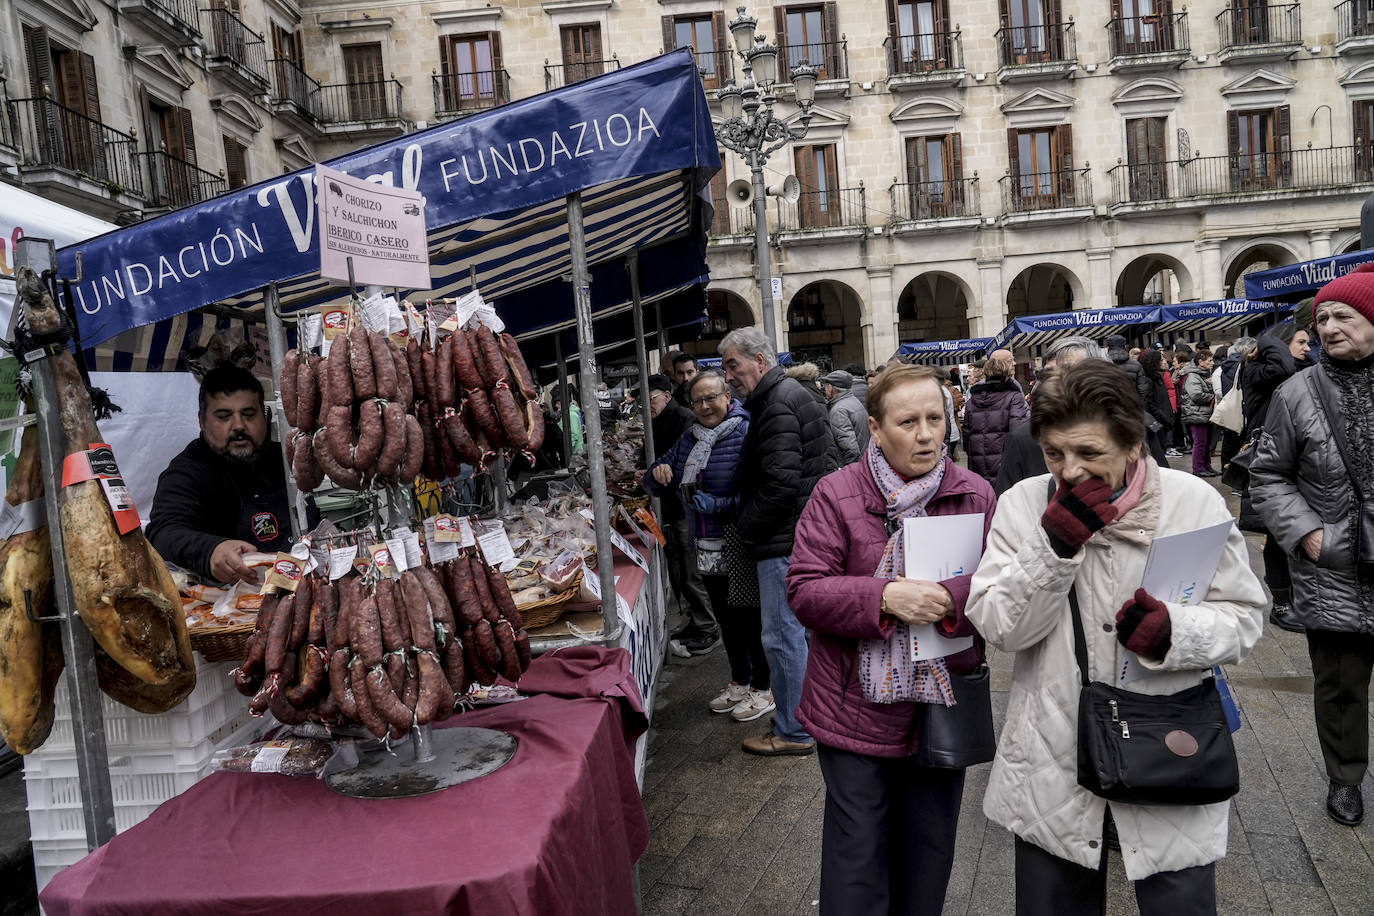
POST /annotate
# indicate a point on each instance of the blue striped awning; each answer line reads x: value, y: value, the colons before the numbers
x: 1035, y: 331
x: 1215, y: 316
x: 713, y: 362
x: 1296, y: 282
x: 944, y: 352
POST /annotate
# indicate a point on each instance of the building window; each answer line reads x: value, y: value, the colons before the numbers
x: 935, y: 174
x: 1146, y: 155
x: 69, y: 129
x: 819, y: 206
x: 582, y: 56
x: 720, y: 201
x: 472, y: 70
x: 1041, y: 163
x: 1259, y: 148
x: 171, y: 143
x: 811, y: 34
x: 1145, y: 26
x: 921, y: 34
x: 1251, y: 19
x: 707, y: 37
x: 235, y: 162
x: 1363, y: 120
x: 366, y: 79
x: 1031, y: 31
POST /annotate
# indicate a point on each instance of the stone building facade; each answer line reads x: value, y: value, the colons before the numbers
x: 965, y: 162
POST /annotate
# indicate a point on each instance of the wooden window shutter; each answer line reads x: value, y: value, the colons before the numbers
x: 497, y: 64
x: 1063, y: 141
x: 68, y: 91
x: 145, y: 116
x: 1135, y: 142
x: 780, y: 25
x: 803, y: 162
x: 955, y: 195
x: 1359, y: 117
x: 1013, y: 154
x: 39, y: 56
x: 914, y: 169
x: 1233, y: 138
x: 570, y: 56
x: 91, y: 90
x: 830, y: 34
x: 894, y: 25
x: 669, y: 33
x: 188, y: 134
x: 1283, y: 141
x: 722, y: 41
x: 296, y: 46
x: 593, y: 49
x: 446, y: 66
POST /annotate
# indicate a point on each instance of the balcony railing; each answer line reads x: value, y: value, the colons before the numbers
x: 830, y: 58
x: 1031, y: 192
x: 174, y: 182
x: 54, y: 136
x: 556, y: 75
x: 832, y: 209
x: 931, y: 52
x: 232, y: 42
x: 1355, y: 19
x: 461, y: 93
x: 1156, y: 34
x: 927, y: 200
x: 292, y: 84
x: 716, y: 67
x: 1251, y: 173
x: 1255, y: 24
x: 1023, y: 45
x: 182, y: 13
x: 7, y: 118
x: 374, y: 100
x: 732, y: 220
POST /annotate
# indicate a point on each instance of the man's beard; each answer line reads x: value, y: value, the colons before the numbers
x: 241, y: 457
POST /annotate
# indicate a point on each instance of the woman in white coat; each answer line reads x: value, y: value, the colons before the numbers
x: 1109, y: 503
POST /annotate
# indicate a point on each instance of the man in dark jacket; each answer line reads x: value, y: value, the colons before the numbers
x: 1117, y: 353
x: 225, y: 494
x: 785, y: 453
x: 994, y: 408
x: 684, y: 370
x: 699, y: 634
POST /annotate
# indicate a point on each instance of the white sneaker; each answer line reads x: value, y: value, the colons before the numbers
x: 729, y: 698
x: 759, y: 703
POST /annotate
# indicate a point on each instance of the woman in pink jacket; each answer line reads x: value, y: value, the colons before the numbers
x: 888, y: 842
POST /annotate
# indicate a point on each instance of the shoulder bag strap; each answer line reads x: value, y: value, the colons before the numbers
x: 1080, y: 640
x: 1323, y: 398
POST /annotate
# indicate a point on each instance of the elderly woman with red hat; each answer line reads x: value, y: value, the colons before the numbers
x: 1312, y: 481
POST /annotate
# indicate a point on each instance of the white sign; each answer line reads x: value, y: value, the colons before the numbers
x: 940, y: 547
x: 777, y: 288
x: 381, y: 228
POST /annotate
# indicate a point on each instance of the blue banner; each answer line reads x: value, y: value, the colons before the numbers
x: 648, y: 119
x: 1032, y: 330
x: 1213, y: 315
x: 1298, y: 281
x: 945, y: 352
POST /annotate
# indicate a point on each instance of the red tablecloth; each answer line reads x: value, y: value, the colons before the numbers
x: 556, y: 830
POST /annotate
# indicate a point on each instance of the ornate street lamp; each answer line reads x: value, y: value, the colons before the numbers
x: 749, y: 127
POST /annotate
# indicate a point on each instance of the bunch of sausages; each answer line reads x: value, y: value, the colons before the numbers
x: 383, y: 652
x: 372, y: 410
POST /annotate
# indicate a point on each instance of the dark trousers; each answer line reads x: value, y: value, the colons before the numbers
x: 684, y: 578
x: 741, y: 629
x: 1047, y: 885
x: 1276, y: 570
x: 888, y: 844
x: 1230, y: 444
x: 1341, y: 665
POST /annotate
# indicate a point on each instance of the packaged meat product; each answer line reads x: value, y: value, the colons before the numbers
x: 560, y: 573
x: 287, y: 756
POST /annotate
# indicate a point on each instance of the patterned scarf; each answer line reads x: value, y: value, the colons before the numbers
x: 887, y: 670
x: 701, y: 449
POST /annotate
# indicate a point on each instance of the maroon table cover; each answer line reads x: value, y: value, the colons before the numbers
x: 557, y: 830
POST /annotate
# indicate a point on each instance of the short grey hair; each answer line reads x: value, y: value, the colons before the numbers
x: 750, y: 342
x: 1091, y: 349
x: 1240, y: 347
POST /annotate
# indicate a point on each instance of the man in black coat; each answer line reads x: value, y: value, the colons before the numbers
x: 785, y: 453
x: 225, y: 494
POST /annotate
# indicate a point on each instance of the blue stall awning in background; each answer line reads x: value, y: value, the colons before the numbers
x: 637, y: 144
x: 713, y: 362
x: 1193, y: 320
x: 1298, y: 281
x: 944, y: 352
x: 1037, y: 330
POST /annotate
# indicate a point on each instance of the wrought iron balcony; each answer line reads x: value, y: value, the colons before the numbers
x: 294, y: 92
x: 830, y: 58
x: 1060, y: 189
x: 716, y: 67
x: 1210, y: 179
x: 236, y: 51
x: 732, y: 221
x: 935, y: 200
x: 1259, y: 32
x: 1354, y: 27
x: 933, y: 57
x: 1158, y: 41
x: 174, y: 182
x: 464, y: 93
x: 556, y: 75
x: 52, y: 136
x: 175, y: 21
x: 1046, y: 49
x: 375, y: 104
x: 837, y: 208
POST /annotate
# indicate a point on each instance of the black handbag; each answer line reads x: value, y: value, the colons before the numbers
x: 1151, y: 750
x: 962, y: 735
x: 1364, y: 511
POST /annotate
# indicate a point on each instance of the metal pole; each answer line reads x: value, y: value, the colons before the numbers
x: 591, y: 418
x: 659, y: 343
x: 564, y: 421
x: 770, y: 329
x: 88, y: 720
x: 276, y: 348
x: 642, y: 356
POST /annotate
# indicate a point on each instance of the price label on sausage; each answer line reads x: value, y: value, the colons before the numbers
x: 98, y: 463
x: 381, y: 558
x: 397, y: 549
x: 341, y: 561
x: 440, y: 550
x: 454, y: 529
x: 285, y: 574
x: 410, y: 541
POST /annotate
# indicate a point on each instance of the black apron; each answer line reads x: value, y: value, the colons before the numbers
x: 264, y: 518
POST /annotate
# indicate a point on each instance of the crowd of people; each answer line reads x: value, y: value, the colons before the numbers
x: 791, y: 489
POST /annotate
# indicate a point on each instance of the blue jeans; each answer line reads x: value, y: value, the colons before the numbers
x: 784, y: 645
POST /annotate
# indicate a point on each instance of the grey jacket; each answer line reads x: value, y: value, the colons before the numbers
x: 849, y: 424
x: 1298, y: 484
x: 1196, y: 396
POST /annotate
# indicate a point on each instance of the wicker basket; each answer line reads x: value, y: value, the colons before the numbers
x: 222, y: 644
x: 542, y: 613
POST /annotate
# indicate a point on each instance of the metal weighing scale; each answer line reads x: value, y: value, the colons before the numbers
x: 434, y: 760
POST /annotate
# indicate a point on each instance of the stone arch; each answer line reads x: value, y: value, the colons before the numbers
x: 1154, y: 279
x: 1041, y: 289
x: 825, y: 324
x: 1347, y: 244
x: 933, y: 305
x: 1253, y: 255
x: 725, y: 311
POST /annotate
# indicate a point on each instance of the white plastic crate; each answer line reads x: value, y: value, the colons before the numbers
x: 51, y: 856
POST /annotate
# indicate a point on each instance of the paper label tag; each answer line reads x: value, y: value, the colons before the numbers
x: 625, y: 547
x: 334, y: 319
x: 592, y: 580
x: 341, y: 561
x: 651, y: 525
x: 440, y: 550
x: 310, y: 332
x: 644, y: 536
x: 495, y: 546
x: 302, y: 551
x: 29, y: 516
x: 319, y: 556
x: 98, y: 463
x: 410, y: 542
x: 382, y: 559
x: 453, y: 529
x: 285, y: 574
x: 269, y: 758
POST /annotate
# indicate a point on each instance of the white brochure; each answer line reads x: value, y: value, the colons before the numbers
x: 939, y: 547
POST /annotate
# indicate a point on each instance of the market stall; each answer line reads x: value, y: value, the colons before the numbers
x: 944, y: 352
x: 628, y: 227
x: 1031, y: 333
x: 1192, y: 321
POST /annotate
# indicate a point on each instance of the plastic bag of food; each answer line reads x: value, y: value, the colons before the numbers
x: 287, y: 756
x: 560, y: 573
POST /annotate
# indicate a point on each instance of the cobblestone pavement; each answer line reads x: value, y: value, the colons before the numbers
x: 738, y: 834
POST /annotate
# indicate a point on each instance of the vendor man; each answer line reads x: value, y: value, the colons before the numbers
x: 225, y: 494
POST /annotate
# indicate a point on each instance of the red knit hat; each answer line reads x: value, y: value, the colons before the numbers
x: 1355, y: 289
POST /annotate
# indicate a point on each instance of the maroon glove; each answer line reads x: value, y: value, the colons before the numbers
x: 1142, y: 626
x: 1075, y: 513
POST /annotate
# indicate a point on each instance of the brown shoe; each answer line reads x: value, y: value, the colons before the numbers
x: 770, y: 745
